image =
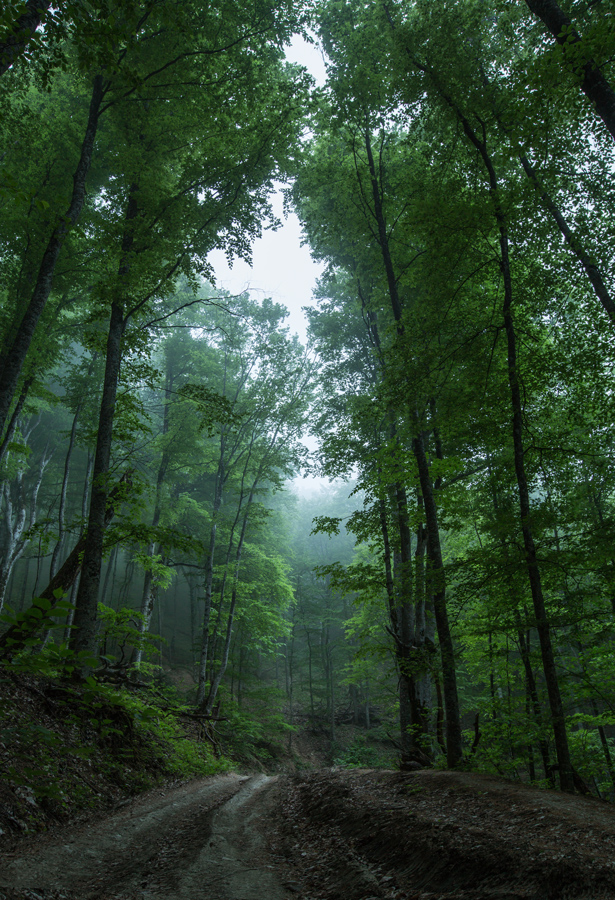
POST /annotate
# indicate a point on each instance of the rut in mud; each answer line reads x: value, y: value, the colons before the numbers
x: 202, y: 840
x: 329, y: 835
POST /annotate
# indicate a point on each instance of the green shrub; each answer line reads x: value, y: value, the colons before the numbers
x: 358, y: 756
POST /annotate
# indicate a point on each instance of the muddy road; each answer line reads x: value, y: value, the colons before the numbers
x: 205, y: 839
x: 327, y: 835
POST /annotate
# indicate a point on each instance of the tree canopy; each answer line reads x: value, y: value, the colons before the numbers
x: 454, y: 176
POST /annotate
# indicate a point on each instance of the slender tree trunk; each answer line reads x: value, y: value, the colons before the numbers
x: 64, y: 578
x: 107, y: 583
x: 424, y: 641
x: 406, y: 628
x: 219, y: 675
x: 12, y: 527
x: 437, y: 583
x: 193, y: 619
x: 209, y: 576
x: 310, y: 677
x: 289, y: 657
x: 531, y: 768
x: 12, y: 425
x: 532, y: 692
x: 17, y: 512
x: 242, y: 653
x: 542, y: 623
x: 434, y: 552
x: 15, y: 350
x: 217, y: 679
x: 84, y: 512
x: 440, y: 715
x: 53, y: 565
x: 605, y: 745
x: 148, y: 595
x: 24, y: 586
x: 331, y: 690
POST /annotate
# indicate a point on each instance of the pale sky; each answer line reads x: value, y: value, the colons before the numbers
x: 281, y: 268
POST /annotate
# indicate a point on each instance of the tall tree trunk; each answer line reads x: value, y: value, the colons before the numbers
x: 15, y: 350
x: 542, y: 622
x: 219, y: 675
x: 83, y: 638
x: 310, y: 675
x: 193, y: 618
x: 532, y: 692
x: 593, y: 83
x: 437, y: 585
x: 53, y: 565
x: 84, y: 512
x: 424, y: 641
x: 209, y: 578
x: 434, y: 552
x: 290, y: 658
x: 148, y: 595
x: 533, y: 569
x: 19, y: 510
x: 24, y: 586
x: 401, y: 652
x: 109, y: 581
x: 531, y: 768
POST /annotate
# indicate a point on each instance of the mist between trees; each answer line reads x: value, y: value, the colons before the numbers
x: 458, y: 593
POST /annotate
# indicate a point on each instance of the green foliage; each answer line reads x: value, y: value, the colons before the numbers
x: 124, y: 628
x: 125, y: 738
x: 214, y: 408
x: 360, y: 755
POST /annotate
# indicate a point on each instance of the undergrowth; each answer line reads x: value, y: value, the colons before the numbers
x: 71, y: 746
x: 360, y: 754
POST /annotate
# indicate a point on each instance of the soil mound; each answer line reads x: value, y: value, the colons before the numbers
x: 452, y: 836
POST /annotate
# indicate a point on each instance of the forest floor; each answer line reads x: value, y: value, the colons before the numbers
x: 324, y: 835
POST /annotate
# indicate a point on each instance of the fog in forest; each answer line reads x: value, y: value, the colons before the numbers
x: 306, y: 418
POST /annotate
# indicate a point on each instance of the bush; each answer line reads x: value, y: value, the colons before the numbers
x: 358, y: 756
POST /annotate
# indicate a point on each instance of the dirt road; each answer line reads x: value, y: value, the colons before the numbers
x: 204, y: 840
x: 328, y: 835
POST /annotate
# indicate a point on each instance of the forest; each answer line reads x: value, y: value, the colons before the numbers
x: 450, y: 592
